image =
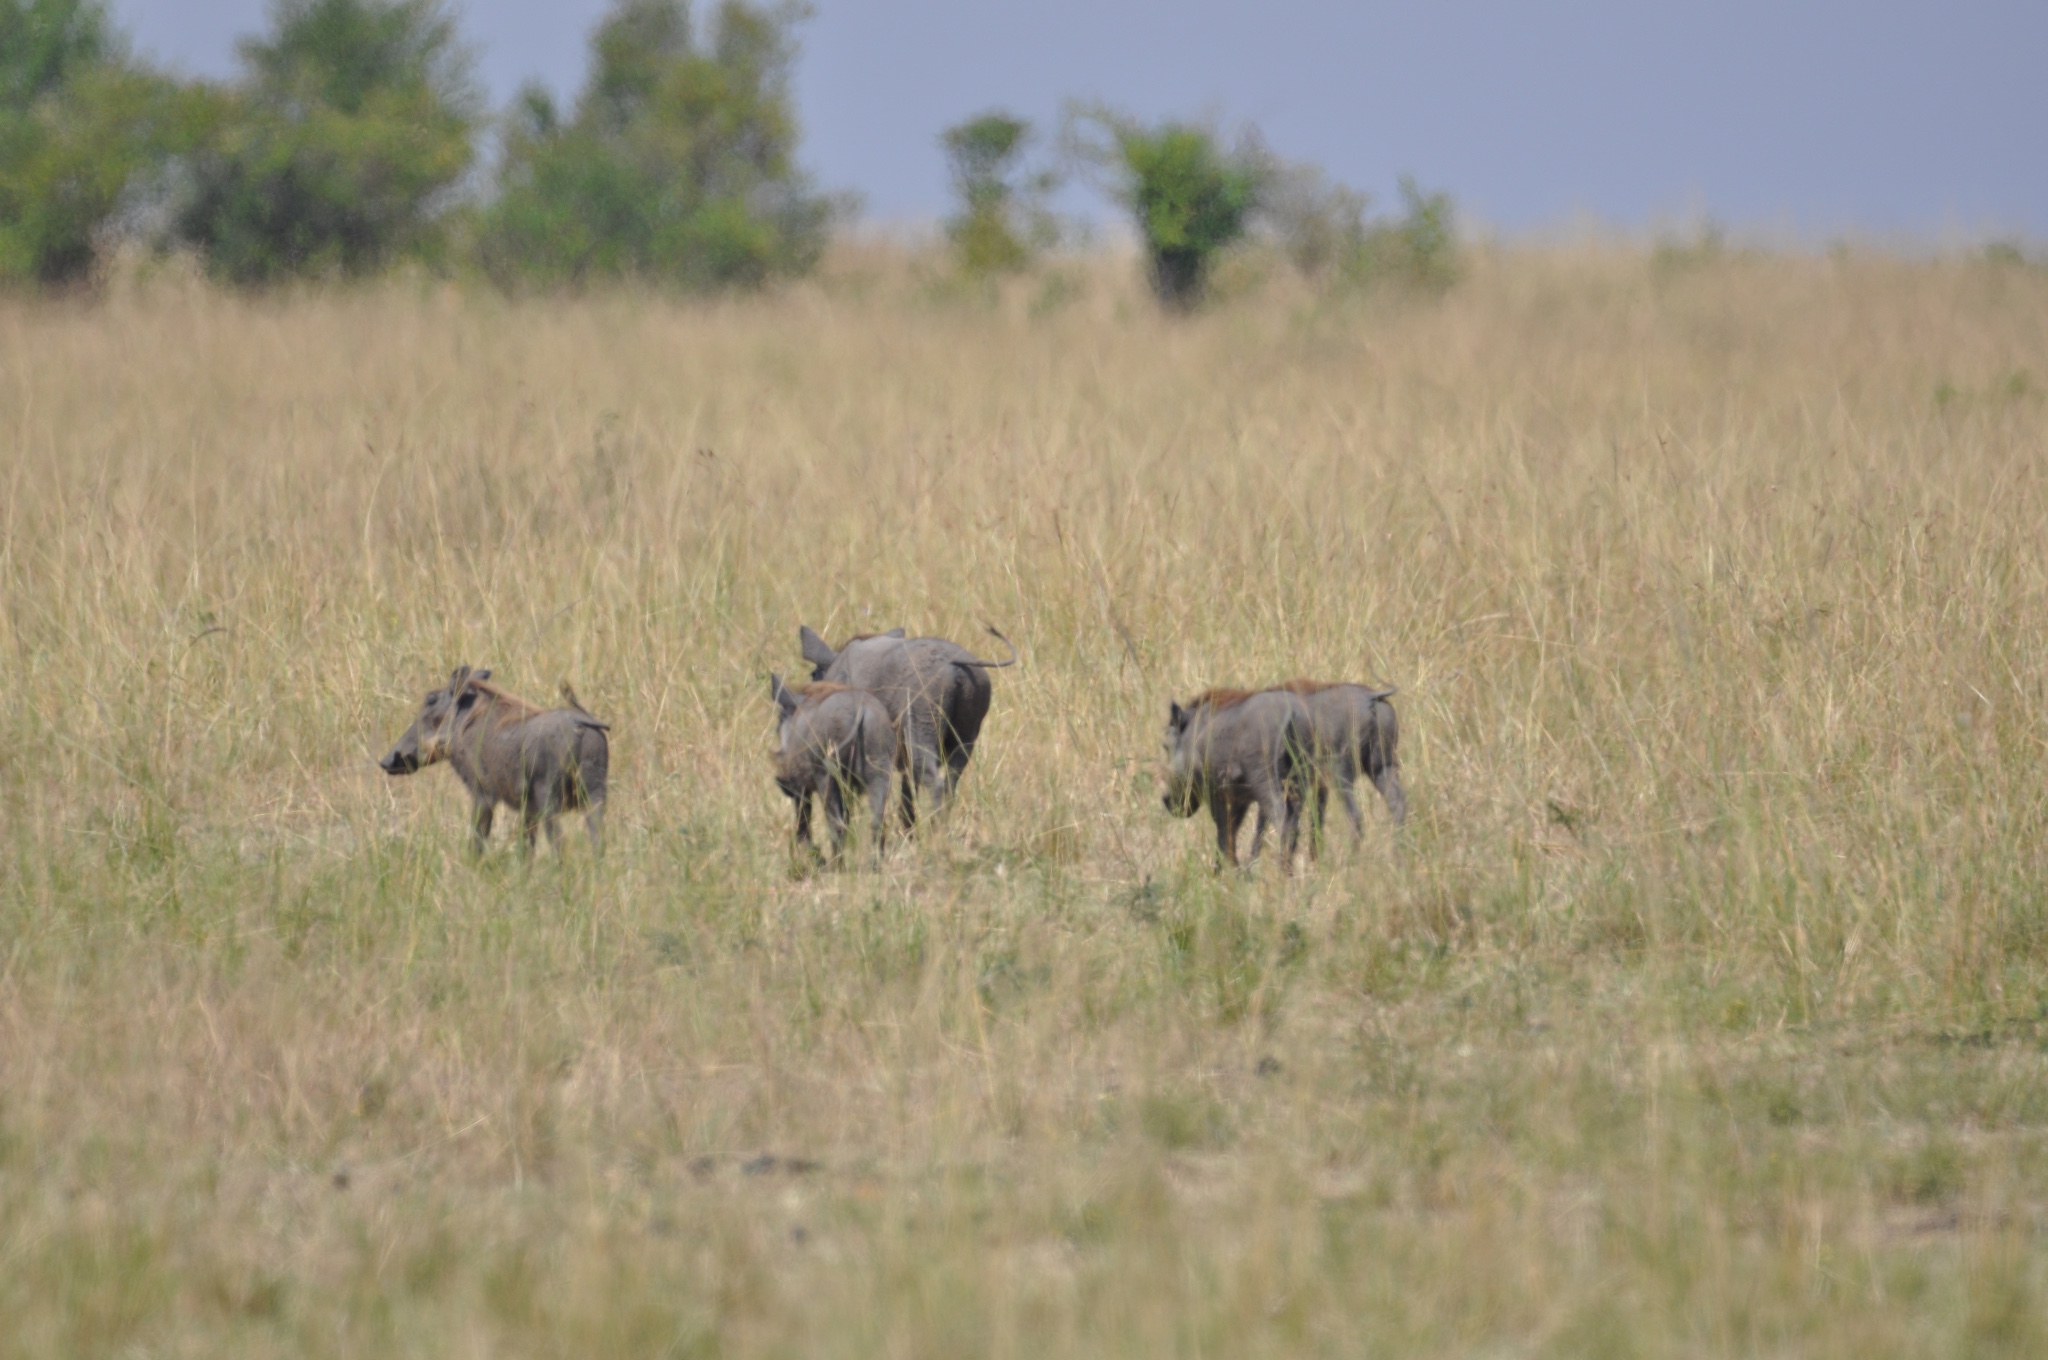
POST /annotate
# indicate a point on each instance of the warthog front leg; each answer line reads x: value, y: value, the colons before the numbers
x: 835, y: 817
x: 1282, y: 807
x: 803, y: 821
x: 480, y: 824
x: 1228, y: 807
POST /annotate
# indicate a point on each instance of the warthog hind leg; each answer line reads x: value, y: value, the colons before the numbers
x: 1389, y: 781
x: 480, y: 824
x: 1347, y: 788
x: 540, y: 811
x: 878, y: 813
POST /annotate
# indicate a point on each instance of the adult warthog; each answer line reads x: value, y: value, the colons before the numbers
x: 937, y: 693
x: 543, y: 762
x: 1353, y: 731
x: 1235, y: 749
x: 832, y: 741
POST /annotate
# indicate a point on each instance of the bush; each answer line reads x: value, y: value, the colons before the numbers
x: 1318, y: 225
x: 1002, y: 219
x: 679, y: 163
x: 355, y: 121
x: 1418, y: 250
x: 80, y: 130
x: 1325, y: 231
x: 1188, y: 196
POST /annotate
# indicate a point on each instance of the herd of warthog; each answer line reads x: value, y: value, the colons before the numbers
x: 886, y: 709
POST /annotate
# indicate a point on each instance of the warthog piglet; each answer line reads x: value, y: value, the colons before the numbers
x: 542, y: 762
x: 1234, y: 749
x: 833, y: 741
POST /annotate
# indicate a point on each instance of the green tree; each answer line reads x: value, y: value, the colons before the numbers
x: 678, y: 164
x: 1002, y: 218
x: 80, y: 130
x: 1188, y: 196
x: 340, y: 148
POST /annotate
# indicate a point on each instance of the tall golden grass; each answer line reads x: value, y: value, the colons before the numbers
x: 1700, y: 1010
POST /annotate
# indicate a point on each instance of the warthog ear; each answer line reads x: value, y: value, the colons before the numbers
x: 779, y: 692
x: 483, y: 674
x: 815, y: 650
x: 1176, y: 716
x: 896, y: 633
x: 457, y: 679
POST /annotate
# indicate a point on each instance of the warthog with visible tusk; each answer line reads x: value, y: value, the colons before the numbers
x: 833, y: 741
x: 1353, y: 731
x: 1234, y: 749
x: 543, y: 762
x: 937, y: 693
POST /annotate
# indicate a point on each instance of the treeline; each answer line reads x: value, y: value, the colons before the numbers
x: 350, y: 141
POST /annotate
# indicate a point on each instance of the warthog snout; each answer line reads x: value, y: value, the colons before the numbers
x: 1183, y: 791
x: 426, y: 741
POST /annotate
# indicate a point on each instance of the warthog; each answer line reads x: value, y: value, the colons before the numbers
x: 833, y: 741
x: 1235, y: 748
x: 937, y: 693
x: 1353, y: 731
x: 542, y: 762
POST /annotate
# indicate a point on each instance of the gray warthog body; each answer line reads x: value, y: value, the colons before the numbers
x: 937, y: 693
x: 542, y: 762
x: 833, y: 741
x: 1353, y: 731
x: 1234, y: 750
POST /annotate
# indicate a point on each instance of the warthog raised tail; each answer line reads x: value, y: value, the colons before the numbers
x: 833, y: 741
x: 1353, y: 731
x: 1236, y: 749
x: 937, y: 693
x: 543, y: 762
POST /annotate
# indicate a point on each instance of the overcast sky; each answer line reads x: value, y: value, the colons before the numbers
x: 1806, y: 117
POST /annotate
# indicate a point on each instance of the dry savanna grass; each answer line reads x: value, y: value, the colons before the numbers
x: 1702, y: 1008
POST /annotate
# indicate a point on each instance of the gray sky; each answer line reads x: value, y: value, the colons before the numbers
x: 1813, y: 117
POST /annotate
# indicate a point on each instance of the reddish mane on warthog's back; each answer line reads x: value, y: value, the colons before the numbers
x: 1219, y: 698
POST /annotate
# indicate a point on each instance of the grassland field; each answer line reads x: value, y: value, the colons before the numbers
x: 1700, y: 1010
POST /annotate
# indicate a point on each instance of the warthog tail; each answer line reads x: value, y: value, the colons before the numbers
x: 588, y: 719
x: 860, y: 748
x: 993, y: 665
